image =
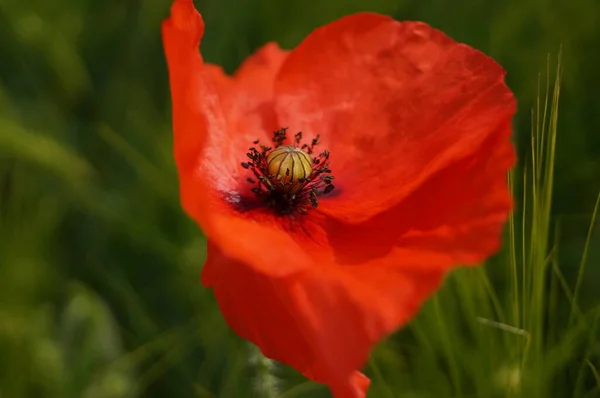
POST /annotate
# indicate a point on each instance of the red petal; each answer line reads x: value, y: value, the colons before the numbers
x: 456, y: 217
x: 322, y: 321
x: 394, y: 102
x: 246, y: 100
x: 209, y: 111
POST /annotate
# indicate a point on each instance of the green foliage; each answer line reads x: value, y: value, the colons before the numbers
x: 99, y: 268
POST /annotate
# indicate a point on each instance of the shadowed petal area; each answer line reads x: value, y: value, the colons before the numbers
x: 395, y: 102
x: 207, y: 108
x: 322, y: 321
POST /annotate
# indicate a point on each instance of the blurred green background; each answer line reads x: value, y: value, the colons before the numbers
x: 99, y: 268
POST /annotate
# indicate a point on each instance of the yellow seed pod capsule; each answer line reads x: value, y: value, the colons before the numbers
x: 289, y: 165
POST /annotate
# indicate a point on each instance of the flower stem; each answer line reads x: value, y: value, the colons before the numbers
x: 265, y: 382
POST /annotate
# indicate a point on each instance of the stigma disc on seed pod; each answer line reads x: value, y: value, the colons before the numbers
x: 289, y: 165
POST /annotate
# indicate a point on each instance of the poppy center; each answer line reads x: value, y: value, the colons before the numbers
x: 288, y: 177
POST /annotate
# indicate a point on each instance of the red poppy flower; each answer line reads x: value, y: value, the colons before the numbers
x: 416, y: 130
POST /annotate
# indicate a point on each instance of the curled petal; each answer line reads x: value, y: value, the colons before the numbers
x: 208, y: 151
